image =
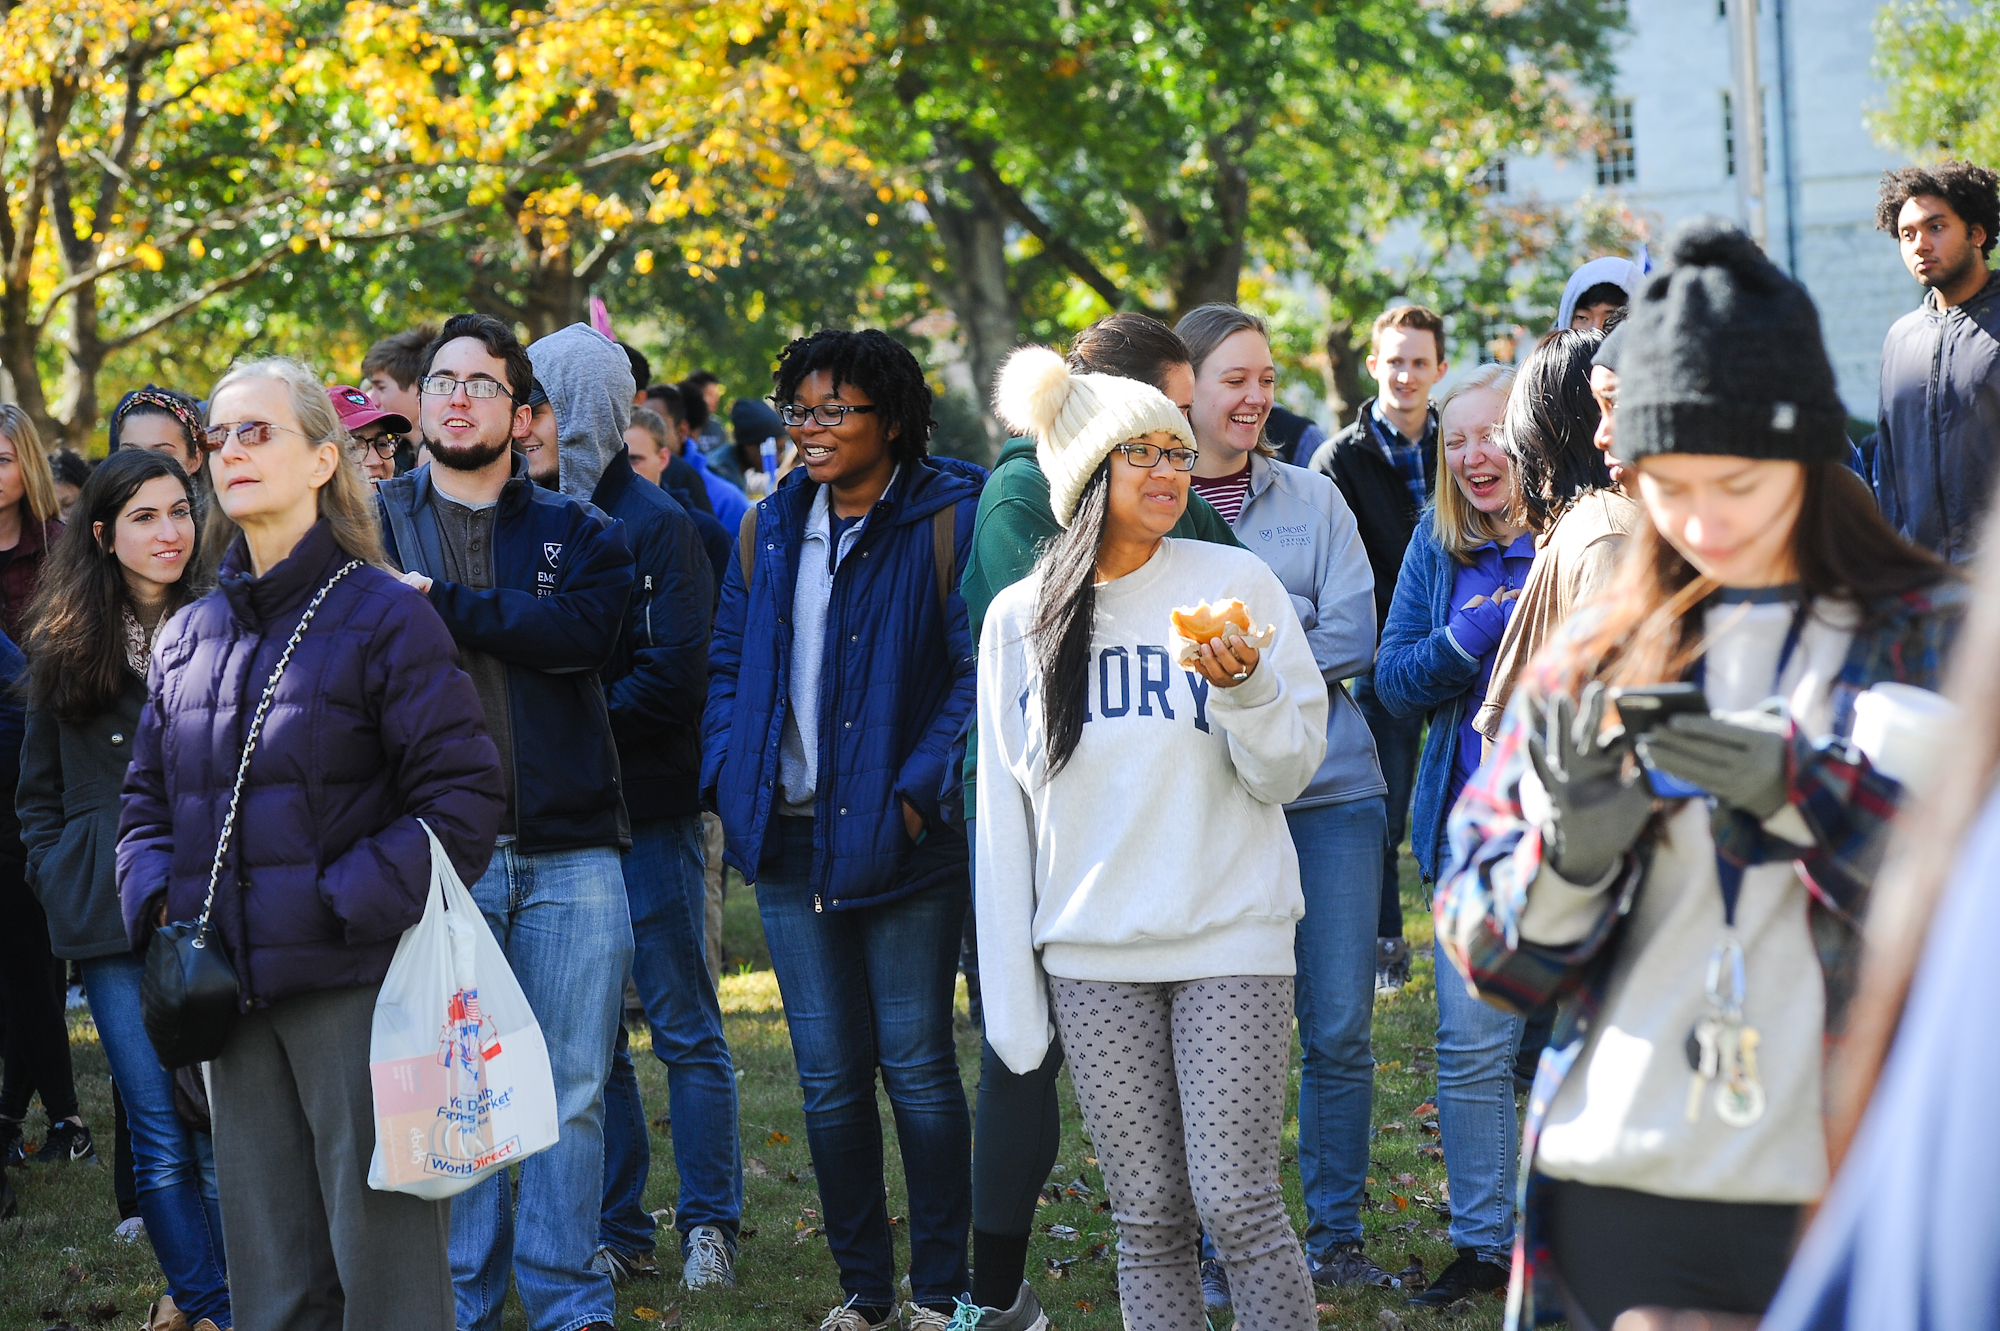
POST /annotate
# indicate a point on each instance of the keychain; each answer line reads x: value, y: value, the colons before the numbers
x: 1722, y: 1047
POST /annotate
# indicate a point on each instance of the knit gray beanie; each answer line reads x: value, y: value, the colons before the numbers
x: 1722, y: 354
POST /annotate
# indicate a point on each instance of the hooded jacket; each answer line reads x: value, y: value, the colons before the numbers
x: 1938, y: 422
x: 1621, y: 273
x: 562, y: 577
x: 657, y: 678
x: 373, y: 728
x: 895, y: 696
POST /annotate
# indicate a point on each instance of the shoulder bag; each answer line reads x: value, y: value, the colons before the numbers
x: 188, y: 996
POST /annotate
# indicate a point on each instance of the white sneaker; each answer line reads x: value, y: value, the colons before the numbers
x: 709, y: 1264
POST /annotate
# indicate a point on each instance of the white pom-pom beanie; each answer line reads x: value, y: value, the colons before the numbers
x: 1077, y: 419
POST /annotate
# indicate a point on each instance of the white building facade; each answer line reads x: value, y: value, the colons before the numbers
x: 1678, y: 148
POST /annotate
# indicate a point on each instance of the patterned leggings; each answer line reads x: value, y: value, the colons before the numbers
x: 1183, y: 1090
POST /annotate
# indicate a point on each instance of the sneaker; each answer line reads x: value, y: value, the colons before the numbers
x: 1392, y: 964
x: 847, y: 1317
x: 624, y: 1266
x: 164, y: 1316
x: 1025, y: 1315
x: 1348, y: 1267
x: 1214, y: 1285
x: 916, y: 1317
x: 1464, y: 1278
x: 710, y: 1264
x: 67, y: 1143
x: 130, y: 1230
x: 13, y: 1150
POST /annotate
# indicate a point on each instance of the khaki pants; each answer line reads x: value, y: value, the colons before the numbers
x: 716, y: 874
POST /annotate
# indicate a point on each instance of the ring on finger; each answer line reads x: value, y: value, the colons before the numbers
x: 1241, y: 674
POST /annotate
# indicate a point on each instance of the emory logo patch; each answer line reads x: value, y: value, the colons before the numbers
x: 552, y: 551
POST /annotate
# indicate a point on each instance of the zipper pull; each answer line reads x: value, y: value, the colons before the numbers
x: 817, y: 908
x: 649, y: 582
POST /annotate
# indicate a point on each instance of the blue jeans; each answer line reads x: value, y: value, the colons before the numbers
x: 172, y: 1167
x: 866, y: 989
x: 667, y: 895
x: 1339, y: 847
x: 1398, y: 741
x: 560, y: 917
x: 1475, y: 1100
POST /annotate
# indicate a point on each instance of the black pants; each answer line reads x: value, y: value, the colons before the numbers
x: 32, y: 990
x: 1616, y: 1249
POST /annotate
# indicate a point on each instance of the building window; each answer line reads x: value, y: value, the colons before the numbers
x: 1491, y: 178
x: 1729, y: 138
x: 1616, y: 162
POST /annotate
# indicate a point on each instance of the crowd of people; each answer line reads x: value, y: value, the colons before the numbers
x: 1648, y: 662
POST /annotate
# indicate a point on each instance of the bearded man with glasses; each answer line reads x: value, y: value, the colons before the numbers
x: 533, y: 586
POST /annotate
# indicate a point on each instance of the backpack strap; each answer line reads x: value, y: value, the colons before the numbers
x: 944, y: 554
x: 746, y: 544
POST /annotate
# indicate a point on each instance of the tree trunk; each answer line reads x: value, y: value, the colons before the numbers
x: 972, y: 228
x: 1344, y: 358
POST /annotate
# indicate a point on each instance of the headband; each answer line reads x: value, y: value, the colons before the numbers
x: 153, y: 397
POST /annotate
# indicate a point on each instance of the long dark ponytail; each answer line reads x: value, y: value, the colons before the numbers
x: 1066, y: 615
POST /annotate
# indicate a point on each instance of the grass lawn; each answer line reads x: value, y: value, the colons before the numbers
x: 59, y: 1264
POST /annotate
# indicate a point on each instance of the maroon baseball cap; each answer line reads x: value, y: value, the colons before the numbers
x: 356, y: 411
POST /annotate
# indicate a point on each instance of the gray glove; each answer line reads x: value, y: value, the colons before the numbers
x: 1738, y: 757
x: 1596, y: 813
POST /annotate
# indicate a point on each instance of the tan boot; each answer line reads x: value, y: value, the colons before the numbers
x: 208, y: 1324
x: 164, y: 1316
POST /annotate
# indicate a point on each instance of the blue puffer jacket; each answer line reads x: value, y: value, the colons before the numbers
x: 1419, y: 670
x: 896, y: 690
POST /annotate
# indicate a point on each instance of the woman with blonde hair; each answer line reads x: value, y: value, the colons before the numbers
x: 30, y: 515
x: 1461, y: 577
x: 299, y: 723
x: 36, y: 1042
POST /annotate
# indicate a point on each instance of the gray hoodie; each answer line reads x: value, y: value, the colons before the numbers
x: 589, y: 382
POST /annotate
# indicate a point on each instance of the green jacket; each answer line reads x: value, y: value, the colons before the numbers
x: 1014, y: 520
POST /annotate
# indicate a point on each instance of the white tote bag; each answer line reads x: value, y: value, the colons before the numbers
x: 460, y: 1071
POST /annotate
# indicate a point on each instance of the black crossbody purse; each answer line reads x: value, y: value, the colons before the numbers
x: 188, y: 996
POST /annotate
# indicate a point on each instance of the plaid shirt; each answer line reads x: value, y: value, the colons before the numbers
x: 1408, y: 458
x: 1495, y: 854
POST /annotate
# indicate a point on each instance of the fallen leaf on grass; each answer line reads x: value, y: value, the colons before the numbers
x: 805, y: 1233
x: 1412, y: 1275
x: 663, y: 1125
x: 1058, y: 1267
x: 1428, y: 1109
x: 1085, y: 1305
x: 1098, y: 1252
x: 777, y: 1139
x: 1402, y: 1202
x: 101, y: 1311
x: 1431, y: 1152
x: 1388, y: 1320
x: 1067, y: 1233
x: 1430, y: 1127
x: 1078, y: 1190
x: 755, y: 1168
x: 1394, y: 1125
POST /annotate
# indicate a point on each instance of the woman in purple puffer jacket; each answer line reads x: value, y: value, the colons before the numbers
x: 373, y: 727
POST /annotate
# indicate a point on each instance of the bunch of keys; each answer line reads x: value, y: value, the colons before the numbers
x: 1722, y: 1047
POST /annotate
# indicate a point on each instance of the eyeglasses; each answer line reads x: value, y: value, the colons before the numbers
x: 444, y: 385
x: 383, y: 445
x: 1149, y: 455
x: 254, y: 434
x: 828, y: 414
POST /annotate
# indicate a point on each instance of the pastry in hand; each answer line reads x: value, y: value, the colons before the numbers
x: 1205, y: 622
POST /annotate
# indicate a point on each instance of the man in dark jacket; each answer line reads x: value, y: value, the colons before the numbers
x: 533, y: 586
x: 655, y: 685
x: 1939, y: 415
x: 1385, y: 464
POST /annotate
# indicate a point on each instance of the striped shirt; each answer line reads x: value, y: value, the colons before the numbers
x: 1225, y: 494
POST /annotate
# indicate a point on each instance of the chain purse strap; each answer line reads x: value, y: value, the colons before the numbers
x: 250, y: 745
